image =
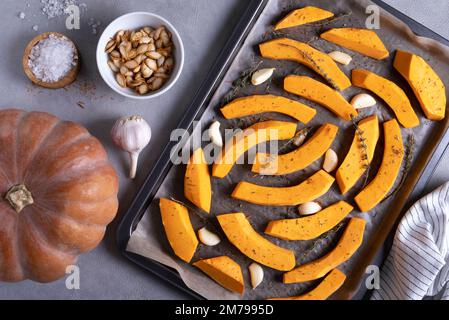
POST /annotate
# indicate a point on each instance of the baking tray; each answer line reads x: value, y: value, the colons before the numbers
x: 411, y: 189
x: 196, y: 108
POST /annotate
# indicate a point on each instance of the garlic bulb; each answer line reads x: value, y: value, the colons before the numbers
x: 132, y: 134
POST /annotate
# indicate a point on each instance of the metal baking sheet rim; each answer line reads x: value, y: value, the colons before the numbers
x: 411, y: 189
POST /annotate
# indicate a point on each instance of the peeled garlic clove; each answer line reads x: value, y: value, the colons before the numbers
x: 262, y: 75
x: 208, y: 238
x: 340, y: 57
x: 309, y: 208
x: 215, y: 134
x: 330, y: 161
x: 363, y: 100
x: 256, y: 274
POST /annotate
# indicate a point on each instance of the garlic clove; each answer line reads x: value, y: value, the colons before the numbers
x: 330, y: 161
x: 262, y: 75
x: 215, y: 134
x: 132, y: 134
x: 208, y: 238
x: 363, y: 100
x: 340, y: 57
x: 309, y: 208
x: 256, y: 274
x: 300, y: 137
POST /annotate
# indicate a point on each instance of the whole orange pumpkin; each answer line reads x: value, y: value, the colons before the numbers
x: 58, y: 192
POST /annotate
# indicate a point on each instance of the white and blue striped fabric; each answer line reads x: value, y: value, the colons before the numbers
x: 418, y: 263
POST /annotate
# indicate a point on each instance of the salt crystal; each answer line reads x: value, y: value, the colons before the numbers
x: 94, y: 25
x: 36, y: 27
x: 56, y: 8
x: 52, y: 58
x: 22, y: 15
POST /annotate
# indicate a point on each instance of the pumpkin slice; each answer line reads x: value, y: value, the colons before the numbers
x: 303, y: 16
x: 178, y: 228
x: 425, y: 82
x: 309, y: 227
x: 391, y: 93
x: 357, y: 159
x: 318, y: 92
x: 389, y: 170
x: 224, y: 271
x: 310, y: 189
x: 321, y: 63
x: 242, y: 235
x: 364, y: 41
x: 197, y: 185
x: 248, y: 106
x: 348, y: 244
x: 248, y: 138
x: 300, y: 158
x: 330, y: 284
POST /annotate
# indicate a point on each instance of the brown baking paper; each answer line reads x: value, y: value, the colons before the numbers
x: 149, y: 239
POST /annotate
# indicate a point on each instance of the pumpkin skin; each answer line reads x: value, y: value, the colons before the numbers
x: 74, y: 190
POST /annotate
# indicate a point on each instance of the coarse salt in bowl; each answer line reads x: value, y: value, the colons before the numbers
x: 133, y: 21
x: 51, y: 60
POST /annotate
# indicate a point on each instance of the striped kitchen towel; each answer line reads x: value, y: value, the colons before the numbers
x: 418, y: 263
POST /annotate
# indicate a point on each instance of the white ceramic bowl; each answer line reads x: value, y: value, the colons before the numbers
x: 132, y: 21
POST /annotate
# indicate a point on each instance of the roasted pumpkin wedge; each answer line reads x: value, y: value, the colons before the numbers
x: 310, y: 189
x: 197, y: 185
x: 389, y: 170
x: 178, y: 228
x: 224, y: 271
x: 300, y: 158
x: 360, y: 154
x: 390, y: 92
x: 242, y: 235
x: 348, y: 244
x: 321, y: 63
x: 248, y: 138
x: 330, y: 284
x: 309, y: 227
x: 303, y: 16
x: 364, y: 41
x: 425, y: 82
x: 248, y: 106
x: 320, y: 93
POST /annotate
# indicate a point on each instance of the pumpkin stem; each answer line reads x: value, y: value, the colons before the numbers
x: 19, y: 197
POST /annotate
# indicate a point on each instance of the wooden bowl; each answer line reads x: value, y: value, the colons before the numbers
x: 63, y: 82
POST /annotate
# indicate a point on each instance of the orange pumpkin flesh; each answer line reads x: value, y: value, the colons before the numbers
x: 73, y: 189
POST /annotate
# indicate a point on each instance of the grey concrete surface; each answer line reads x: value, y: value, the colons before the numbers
x: 204, y: 26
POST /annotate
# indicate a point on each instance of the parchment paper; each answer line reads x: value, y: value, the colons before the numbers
x: 149, y: 239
